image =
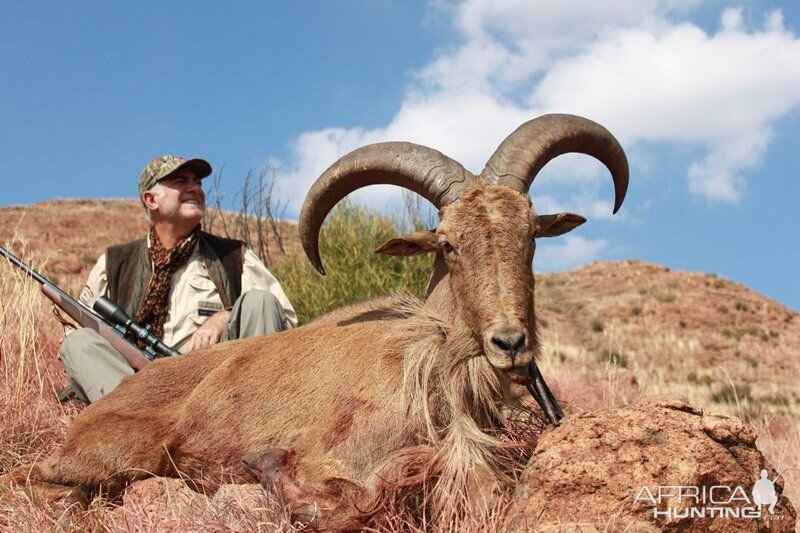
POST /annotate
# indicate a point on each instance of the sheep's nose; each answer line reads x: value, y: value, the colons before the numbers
x: 509, y: 341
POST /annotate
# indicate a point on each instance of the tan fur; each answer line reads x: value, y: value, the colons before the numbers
x: 349, y: 395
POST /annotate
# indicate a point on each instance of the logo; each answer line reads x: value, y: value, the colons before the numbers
x: 764, y: 491
x: 673, y: 502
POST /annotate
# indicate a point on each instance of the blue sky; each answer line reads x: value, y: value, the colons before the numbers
x: 704, y: 96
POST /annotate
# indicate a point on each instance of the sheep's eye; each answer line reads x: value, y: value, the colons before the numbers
x: 447, y: 247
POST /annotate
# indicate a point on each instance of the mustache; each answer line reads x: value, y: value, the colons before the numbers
x: 196, y: 197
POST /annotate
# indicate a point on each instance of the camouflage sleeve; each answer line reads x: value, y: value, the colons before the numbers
x: 255, y: 275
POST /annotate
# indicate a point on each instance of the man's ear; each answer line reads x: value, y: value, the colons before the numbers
x: 149, y: 199
x: 559, y: 224
x: 419, y: 242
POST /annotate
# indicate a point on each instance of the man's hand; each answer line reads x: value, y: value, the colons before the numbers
x: 210, y: 332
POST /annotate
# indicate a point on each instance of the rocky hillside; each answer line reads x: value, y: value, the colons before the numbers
x: 69, y: 235
x: 689, y: 334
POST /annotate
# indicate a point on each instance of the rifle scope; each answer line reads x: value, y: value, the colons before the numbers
x: 114, y: 314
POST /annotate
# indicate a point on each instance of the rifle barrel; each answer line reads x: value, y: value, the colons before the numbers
x: 83, y: 315
x: 28, y: 270
x: 41, y: 279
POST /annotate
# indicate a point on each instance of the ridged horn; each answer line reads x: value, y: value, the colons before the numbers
x: 427, y: 172
x: 521, y: 156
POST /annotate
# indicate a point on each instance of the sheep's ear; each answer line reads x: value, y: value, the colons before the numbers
x: 419, y: 242
x: 559, y: 224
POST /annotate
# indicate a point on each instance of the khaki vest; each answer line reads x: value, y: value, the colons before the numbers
x: 128, y: 270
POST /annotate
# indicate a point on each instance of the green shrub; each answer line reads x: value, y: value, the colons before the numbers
x: 354, y: 271
x: 776, y: 399
x: 741, y: 332
x: 636, y: 311
x: 666, y: 298
x: 614, y: 358
x: 751, y: 330
x: 727, y: 333
x: 705, y: 379
x: 555, y: 308
x: 732, y: 393
x: 597, y: 325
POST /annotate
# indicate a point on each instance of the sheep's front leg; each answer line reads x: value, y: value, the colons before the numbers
x: 329, y: 504
x: 104, y: 451
x: 28, y: 478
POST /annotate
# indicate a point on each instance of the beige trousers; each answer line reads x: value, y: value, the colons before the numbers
x: 95, y: 368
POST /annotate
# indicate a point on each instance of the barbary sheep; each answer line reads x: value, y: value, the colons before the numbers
x: 374, y: 394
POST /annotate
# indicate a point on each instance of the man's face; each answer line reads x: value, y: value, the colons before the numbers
x: 181, y: 197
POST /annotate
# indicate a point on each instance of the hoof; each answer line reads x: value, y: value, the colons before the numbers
x: 266, y: 466
x: 23, y: 479
x: 64, y: 495
x: 307, y: 515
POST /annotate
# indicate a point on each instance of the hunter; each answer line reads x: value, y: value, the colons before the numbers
x: 192, y: 289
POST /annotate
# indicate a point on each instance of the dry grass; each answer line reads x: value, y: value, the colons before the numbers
x: 29, y: 373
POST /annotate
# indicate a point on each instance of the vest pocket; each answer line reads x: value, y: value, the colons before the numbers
x: 197, y: 319
x: 201, y: 283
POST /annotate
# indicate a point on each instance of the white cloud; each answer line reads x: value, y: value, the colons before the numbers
x: 566, y: 252
x: 721, y: 92
x: 459, y: 125
x: 639, y: 67
x: 582, y: 204
x: 509, y: 40
x: 718, y: 176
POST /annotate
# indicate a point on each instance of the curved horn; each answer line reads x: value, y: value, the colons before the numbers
x: 423, y: 170
x: 522, y: 154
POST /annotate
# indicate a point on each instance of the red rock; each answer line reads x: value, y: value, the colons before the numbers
x: 592, y: 468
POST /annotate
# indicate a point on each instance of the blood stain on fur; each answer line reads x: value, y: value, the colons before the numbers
x: 346, y: 410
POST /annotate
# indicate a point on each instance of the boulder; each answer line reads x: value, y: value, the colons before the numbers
x: 660, y: 466
x: 158, y: 502
x: 156, y: 491
x: 246, y: 496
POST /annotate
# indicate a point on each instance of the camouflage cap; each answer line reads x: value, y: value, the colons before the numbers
x: 161, y: 167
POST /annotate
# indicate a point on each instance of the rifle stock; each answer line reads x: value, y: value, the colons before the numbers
x: 84, y: 316
x: 87, y: 319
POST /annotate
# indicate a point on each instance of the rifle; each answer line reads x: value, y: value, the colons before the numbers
x: 112, y: 324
